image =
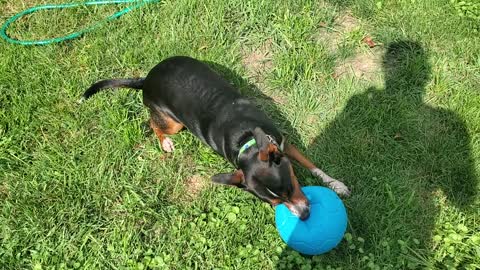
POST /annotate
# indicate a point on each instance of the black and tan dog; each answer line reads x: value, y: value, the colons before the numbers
x: 184, y: 92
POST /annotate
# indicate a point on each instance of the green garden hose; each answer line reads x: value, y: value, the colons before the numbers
x: 3, y: 30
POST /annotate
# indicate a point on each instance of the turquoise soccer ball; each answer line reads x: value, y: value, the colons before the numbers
x: 322, y: 231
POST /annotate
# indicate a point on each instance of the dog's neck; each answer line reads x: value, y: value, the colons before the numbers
x: 248, y: 141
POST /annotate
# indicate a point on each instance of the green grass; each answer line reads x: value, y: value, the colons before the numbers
x: 87, y: 186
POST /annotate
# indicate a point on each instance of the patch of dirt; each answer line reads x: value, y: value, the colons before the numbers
x: 333, y: 36
x: 137, y: 73
x: 440, y: 199
x: 347, y: 22
x: 258, y: 61
x: 311, y: 120
x: 12, y: 6
x: 194, y: 185
x: 4, y: 193
x: 365, y: 65
x: 282, y: 100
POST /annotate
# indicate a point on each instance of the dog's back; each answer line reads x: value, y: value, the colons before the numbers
x: 189, y: 90
x: 210, y: 107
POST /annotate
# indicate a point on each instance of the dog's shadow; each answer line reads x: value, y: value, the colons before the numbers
x: 400, y: 156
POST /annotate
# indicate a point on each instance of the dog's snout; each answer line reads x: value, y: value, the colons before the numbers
x: 301, y: 210
x: 304, y: 212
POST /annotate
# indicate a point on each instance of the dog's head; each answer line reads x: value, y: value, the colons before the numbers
x: 266, y: 173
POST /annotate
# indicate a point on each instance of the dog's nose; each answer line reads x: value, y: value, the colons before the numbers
x: 304, y: 212
x: 301, y: 210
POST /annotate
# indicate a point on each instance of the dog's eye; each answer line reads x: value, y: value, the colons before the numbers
x: 272, y: 193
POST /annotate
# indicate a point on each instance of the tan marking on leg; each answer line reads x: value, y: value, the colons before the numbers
x: 292, y: 152
x: 338, y: 186
x: 163, y: 124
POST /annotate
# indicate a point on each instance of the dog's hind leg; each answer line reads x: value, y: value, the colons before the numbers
x: 162, y: 124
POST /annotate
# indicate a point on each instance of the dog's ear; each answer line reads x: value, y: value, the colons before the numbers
x: 260, y: 138
x: 265, y: 147
x: 235, y: 179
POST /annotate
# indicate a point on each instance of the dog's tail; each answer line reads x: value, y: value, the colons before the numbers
x: 114, y: 83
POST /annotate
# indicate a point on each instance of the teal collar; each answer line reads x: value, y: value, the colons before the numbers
x: 247, y: 145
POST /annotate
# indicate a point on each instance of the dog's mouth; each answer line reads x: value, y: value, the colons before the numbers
x: 301, y: 210
x: 300, y: 207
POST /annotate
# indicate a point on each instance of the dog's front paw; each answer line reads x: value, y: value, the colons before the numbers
x: 167, y: 145
x: 339, y: 187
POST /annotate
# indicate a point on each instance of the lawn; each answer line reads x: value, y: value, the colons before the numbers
x: 87, y: 186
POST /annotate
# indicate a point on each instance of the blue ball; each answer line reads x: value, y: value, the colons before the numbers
x: 322, y: 231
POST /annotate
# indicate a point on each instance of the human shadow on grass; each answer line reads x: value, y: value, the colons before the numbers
x: 395, y: 151
x: 399, y: 155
